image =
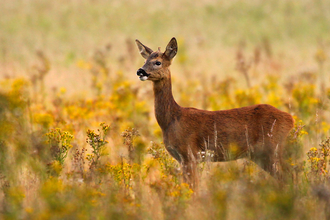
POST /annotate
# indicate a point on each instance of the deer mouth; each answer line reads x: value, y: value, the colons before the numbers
x: 143, y: 75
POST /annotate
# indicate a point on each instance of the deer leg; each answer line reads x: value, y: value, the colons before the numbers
x: 267, y: 163
x: 189, y: 168
x: 270, y: 159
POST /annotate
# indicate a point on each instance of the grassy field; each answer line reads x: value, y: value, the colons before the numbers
x: 78, y: 136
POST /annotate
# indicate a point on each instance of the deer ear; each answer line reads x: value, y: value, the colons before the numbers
x: 171, y: 49
x: 144, y: 50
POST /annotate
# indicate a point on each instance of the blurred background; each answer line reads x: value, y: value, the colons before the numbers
x: 209, y: 34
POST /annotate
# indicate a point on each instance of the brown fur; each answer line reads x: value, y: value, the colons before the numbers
x: 257, y: 131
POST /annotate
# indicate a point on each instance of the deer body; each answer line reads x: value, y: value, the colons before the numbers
x: 257, y: 131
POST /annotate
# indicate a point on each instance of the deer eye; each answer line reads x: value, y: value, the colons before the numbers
x: 158, y: 63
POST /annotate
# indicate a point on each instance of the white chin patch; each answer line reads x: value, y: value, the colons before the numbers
x: 143, y: 78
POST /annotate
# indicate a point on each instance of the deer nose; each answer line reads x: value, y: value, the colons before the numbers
x: 141, y: 72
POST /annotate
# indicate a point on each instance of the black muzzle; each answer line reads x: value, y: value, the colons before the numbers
x: 141, y: 73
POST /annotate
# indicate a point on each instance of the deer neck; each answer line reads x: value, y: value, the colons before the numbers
x: 166, y: 109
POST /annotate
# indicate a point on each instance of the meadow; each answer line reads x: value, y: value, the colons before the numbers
x: 78, y: 136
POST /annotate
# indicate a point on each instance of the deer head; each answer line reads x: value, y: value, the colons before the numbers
x: 157, y: 63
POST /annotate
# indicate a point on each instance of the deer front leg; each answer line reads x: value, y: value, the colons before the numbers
x: 188, y: 164
x: 190, y: 176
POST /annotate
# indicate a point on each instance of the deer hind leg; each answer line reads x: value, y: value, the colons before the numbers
x: 269, y: 158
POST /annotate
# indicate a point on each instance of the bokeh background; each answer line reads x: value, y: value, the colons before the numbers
x: 209, y: 33
x: 67, y: 66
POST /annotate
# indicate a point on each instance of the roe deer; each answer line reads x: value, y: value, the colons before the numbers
x: 257, y: 131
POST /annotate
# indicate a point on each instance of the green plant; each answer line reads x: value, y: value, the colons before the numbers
x: 318, y: 162
x: 59, y: 144
x: 129, y: 135
x: 97, y: 142
x: 169, y: 166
